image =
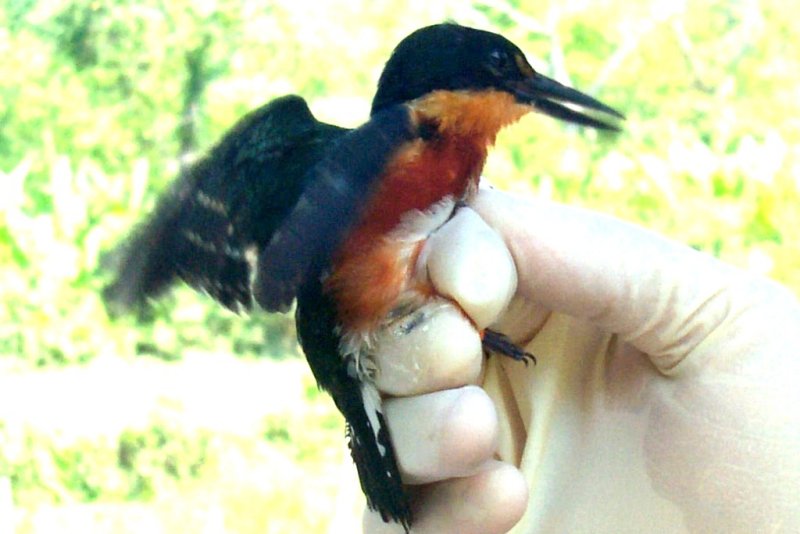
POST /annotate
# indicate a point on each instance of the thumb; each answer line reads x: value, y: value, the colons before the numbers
x: 664, y: 298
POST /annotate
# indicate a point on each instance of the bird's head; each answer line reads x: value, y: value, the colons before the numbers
x: 462, y: 72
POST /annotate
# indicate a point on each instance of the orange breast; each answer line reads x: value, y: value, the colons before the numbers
x: 370, y: 270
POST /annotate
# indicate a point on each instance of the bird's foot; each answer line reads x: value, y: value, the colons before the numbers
x: 501, y: 344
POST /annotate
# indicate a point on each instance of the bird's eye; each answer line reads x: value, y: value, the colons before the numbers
x: 499, y: 61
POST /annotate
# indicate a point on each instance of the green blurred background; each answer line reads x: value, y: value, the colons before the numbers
x: 188, y: 418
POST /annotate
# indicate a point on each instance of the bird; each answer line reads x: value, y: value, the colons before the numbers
x: 286, y: 208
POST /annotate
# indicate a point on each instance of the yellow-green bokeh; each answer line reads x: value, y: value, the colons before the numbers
x: 91, y: 97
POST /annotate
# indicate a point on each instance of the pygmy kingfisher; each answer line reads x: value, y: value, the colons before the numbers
x: 288, y: 208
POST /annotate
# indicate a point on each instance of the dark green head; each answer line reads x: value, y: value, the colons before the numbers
x: 449, y: 57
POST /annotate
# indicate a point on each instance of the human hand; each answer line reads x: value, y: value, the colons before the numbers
x: 665, y: 398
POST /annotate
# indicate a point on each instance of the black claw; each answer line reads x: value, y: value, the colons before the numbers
x: 500, y: 344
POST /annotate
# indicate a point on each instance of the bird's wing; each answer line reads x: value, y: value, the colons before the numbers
x: 225, y: 208
x: 338, y: 187
x: 358, y: 401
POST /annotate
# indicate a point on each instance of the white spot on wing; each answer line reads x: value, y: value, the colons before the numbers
x: 210, y: 203
x: 197, y: 240
x: 251, y: 257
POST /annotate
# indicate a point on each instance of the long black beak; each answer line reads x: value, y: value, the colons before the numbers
x: 547, y: 95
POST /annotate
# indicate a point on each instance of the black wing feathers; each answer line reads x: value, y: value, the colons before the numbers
x: 225, y: 207
x: 285, y: 187
x: 144, y: 260
x: 338, y: 186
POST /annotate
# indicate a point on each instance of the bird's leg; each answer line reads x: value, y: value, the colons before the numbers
x: 405, y: 318
x: 495, y: 342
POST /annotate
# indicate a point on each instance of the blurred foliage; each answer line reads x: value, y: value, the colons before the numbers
x: 101, y: 100
x: 140, y: 464
x: 255, y: 480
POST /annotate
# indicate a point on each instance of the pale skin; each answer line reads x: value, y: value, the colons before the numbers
x: 666, y: 397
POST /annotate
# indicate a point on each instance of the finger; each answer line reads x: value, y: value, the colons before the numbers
x: 663, y: 297
x: 469, y: 262
x: 443, y: 351
x: 489, y: 502
x: 441, y: 435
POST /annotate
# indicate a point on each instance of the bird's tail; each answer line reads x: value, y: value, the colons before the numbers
x: 373, y: 453
x: 358, y: 401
